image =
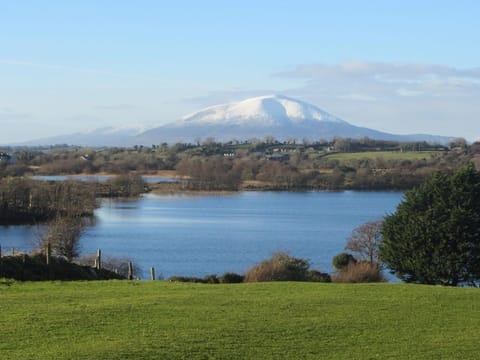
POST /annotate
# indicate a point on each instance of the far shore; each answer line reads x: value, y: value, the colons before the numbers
x: 153, y: 174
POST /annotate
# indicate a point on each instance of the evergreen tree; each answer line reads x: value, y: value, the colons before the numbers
x: 434, y: 236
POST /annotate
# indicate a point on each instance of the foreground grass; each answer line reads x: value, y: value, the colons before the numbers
x: 160, y: 320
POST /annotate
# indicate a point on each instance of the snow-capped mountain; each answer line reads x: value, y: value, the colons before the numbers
x: 273, y: 115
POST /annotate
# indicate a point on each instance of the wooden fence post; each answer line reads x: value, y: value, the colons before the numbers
x: 48, y: 253
x: 130, y: 271
x: 24, y: 261
x: 152, y: 273
x: 99, y: 259
x: 13, y: 251
x: 0, y: 251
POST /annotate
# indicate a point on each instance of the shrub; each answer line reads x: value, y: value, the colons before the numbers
x: 341, y: 261
x: 210, y: 279
x: 231, y: 278
x: 280, y: 267
x: 359, y: 272
x: 317, y: 276
x: 191, y: 279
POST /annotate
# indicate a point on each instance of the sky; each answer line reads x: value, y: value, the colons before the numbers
x: 402, y: 66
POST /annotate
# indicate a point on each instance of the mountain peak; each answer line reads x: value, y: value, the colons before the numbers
x: 267, y: 110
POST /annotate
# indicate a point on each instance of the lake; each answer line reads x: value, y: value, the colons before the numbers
x: 212, y: 234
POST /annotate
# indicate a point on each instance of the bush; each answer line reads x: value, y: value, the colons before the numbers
x: 210, y: 279
x: 280, y: 267
x: 359, y: 272
x: 231, y: 278
x: 191, y: 279
x: 341, y: 261
x: 317, y: 276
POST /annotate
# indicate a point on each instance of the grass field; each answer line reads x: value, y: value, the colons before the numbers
x: 386, y: 155
x: 161, y: 320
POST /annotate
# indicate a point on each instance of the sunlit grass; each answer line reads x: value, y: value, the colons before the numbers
x: 386, y: 155
x: 161, y: 320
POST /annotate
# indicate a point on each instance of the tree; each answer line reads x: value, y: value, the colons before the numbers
x: 365, y: 241
x: 341, y: 261
x: 434, y: 235
x: 63, y: 234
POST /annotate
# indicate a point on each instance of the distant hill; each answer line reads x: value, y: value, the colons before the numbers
x: 106, y: 136
x: 273, y: 115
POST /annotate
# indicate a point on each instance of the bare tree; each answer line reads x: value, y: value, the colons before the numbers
x: 63, y: 234
x: 365, y: 241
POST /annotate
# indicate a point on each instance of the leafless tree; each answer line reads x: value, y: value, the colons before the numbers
x: 365, y: 241
x: 63, y: 234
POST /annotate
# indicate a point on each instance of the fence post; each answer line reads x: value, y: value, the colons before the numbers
x: 130, y: 271
x: 24, y: 261
x: 152, y: 273
x: 0, y: 251
x: 13, y: 251
x: 98, y: 263
x: 48, y: 253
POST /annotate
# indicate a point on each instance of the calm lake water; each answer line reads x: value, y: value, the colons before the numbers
x: 200, y: 235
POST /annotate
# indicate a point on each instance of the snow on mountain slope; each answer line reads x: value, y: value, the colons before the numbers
x: 268, y: 110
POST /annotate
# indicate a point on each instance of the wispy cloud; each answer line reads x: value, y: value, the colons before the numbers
x: 374, y: 80
x: 8, y: 115
x: 32, y: 64
x: 114, y: 107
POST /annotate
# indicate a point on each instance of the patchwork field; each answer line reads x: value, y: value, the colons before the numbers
x: 385, y: 155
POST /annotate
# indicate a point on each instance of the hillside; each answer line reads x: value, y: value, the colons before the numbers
x: 161, y: 320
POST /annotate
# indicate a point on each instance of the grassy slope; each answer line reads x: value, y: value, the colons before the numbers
x: 385, y: 155
x: 160, y: 320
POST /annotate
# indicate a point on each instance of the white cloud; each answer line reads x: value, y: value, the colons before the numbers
x: 400, y: 98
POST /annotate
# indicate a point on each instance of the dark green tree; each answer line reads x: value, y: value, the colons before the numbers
x: 342, y: 260
x: 434, y: 235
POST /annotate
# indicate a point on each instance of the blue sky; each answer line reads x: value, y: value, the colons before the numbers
x: 397, y: 66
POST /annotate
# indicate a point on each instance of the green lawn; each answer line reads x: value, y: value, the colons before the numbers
x: 386, y: 155
x: 161, y: 320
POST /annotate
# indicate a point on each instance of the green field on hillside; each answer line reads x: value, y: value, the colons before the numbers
x: 162, y: 320
x: 386, y: 155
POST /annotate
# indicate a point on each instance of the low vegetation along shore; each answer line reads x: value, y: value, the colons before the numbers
x: 162, y: 320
